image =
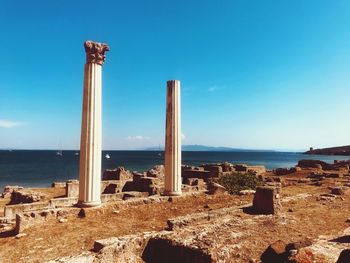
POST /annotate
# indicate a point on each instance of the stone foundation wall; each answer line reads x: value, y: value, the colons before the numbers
x: 12, y: 210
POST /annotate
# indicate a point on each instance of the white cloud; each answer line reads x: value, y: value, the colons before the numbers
x: 183, y: 136
x: 137, y: 138
x: 10, y: 124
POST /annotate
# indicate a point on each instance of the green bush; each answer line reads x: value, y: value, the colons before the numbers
x: 235, y: 182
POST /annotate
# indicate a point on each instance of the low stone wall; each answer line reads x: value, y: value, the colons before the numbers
x: 12, y: 210
x: 58, y: 184
x: 35, y: 217
x: 183, y: 221
x: 112, y: 186
x: 204, y: 175
x: 63, y: 201
x: 111, y: 197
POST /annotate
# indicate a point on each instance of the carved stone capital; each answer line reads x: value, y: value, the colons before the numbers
x: 95, y: 52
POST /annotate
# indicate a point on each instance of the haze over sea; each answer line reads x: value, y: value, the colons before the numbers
x: 39, y: 168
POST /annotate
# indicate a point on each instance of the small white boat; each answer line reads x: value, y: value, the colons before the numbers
x: 76, y: 154
x: 107, y: 156
x: 59, y: 153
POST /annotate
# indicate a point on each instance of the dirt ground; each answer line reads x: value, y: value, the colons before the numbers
x: 306, y: 216
x: 62, y: 239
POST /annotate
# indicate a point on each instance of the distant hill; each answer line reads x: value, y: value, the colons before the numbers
x: 204, y: 148
x: 340, y: 150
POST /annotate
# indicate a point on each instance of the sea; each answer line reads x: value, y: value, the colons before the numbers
x: 39, y: 168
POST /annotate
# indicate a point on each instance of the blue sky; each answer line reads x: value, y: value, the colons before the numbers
x: 254, y: 74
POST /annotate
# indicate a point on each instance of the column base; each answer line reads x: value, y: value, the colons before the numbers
x: 83, y: 204
x: 171, y: 193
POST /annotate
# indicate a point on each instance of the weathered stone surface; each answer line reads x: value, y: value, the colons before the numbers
x: 227, y: 167
x: 266, y: 200
x: 215, y: 170
x: 344, y: 256
x: 157, y: 172
x: 134, y: 194
x: 215, y: 188
x: 58, y: 184
x: 9, y: 189
x: 314, y: 164
x: 194, y: 182
x: 256, y: 169
x: 111, y: 197
x: 72, y: 188
x: 284, y: 171
x: 25, y: 196
x: 117, y: 174
x: 151, y: 185
x: 194, y: 173
x: 112, y: 186
x: 12, y: 210
x: 276, y: 252
x: 29, y: 219
x: 63, y: 201
x: 299, y: 244
x: 241, y: 167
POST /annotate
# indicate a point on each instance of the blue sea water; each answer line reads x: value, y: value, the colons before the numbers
x: 40, y: 168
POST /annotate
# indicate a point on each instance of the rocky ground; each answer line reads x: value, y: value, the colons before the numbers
x: 314, y: 220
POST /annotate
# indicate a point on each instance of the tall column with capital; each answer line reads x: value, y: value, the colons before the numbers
x: 91, y: 127
x: 172, y: 184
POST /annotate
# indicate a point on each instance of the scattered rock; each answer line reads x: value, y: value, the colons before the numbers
x: 9, y: 189
x: 298, y: 245
x: 63, y: 220
x: 337, y: 191
x: 25, y: 196
x: 344, y: 256
x: 276, y: 253
x: 215, y: 188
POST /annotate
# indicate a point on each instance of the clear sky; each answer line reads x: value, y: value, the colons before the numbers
x: 254, y: 74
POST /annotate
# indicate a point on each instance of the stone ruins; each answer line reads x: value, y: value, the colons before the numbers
x: 246, y: 226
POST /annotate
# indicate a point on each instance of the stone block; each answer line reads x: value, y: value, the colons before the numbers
x: 157, y: 172
x: 241, y: 167
x: 117, y: 174
x: 214, y: 169
x: 204, y: 175
x: 72, y: 188
x: 257, y: 169
x: 29, y: 219
x: 227, y: 167
x: 266, y: 200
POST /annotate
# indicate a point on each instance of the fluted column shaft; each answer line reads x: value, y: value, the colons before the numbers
x: 91, y: 128
x: 172, y: 184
